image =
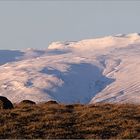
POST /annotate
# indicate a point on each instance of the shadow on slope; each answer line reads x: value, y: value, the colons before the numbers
x: 57, y: 52
x: 9, y: 56
x: 81, y: 83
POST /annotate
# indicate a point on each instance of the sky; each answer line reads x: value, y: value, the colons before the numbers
x: 37, y: 23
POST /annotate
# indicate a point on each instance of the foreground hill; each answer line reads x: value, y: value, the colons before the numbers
x: 88, y: 71
x: 49, y: 120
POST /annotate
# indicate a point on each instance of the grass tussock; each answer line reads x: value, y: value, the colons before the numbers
x: 51, y: 121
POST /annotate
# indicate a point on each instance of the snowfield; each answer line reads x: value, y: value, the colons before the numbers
x: 88, y: 71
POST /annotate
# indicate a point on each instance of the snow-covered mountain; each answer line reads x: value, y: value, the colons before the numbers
x: 88, y: 71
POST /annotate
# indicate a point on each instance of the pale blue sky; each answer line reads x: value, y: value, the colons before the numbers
x: 35, y: 24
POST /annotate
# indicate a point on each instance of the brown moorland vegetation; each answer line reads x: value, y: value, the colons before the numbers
x: 51, y: 121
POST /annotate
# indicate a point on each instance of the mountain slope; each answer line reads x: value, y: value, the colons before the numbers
x: 88, y: 71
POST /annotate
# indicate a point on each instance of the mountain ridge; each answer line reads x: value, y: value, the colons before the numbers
x: 88, y: 71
